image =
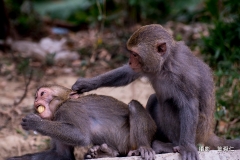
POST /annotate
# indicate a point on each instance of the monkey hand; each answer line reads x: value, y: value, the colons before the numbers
x: 83, y: 85
x: 30, y: 122
x: 146, y: 153
x: 187, y: 152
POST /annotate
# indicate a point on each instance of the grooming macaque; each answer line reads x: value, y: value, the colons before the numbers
x: 183, y: 103
x: 73, y: 120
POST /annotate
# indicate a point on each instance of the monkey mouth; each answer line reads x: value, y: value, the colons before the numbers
x: 40, y: 108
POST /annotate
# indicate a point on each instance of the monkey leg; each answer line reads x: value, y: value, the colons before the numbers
x: 46, y: 155
x: 58, y: 151
x: 159, y: 145
x: 101, y: 151
x: 142, y: 131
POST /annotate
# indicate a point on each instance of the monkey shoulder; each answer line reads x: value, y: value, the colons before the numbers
x: 185, y: 66
x: 182, y: 72
x: 70, y: 111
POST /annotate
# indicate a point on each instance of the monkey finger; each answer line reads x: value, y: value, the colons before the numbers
x: 133, y: 153
x: 25, y: 127
x: 144, y: 153
x: 94, y: 148
x: 24, y: 119
x: 79, y: 88
x: 23, y: 124
x: 88, y: 156
x: 84, y: 90
x: 184, y: 155
x: 196, y: 156
x: 176, y: 149
x: 130, y: 153
x: 80, y: 91
x: 104, y: 148
x: 151, y: 155
x: 190, y: 156
x: 146, y: 156
x: 193, y: 156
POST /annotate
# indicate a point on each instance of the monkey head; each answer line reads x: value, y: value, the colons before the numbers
x: 49, y: 97
x: 149, y: 46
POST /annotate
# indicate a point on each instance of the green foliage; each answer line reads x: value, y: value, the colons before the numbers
x: 162, y: 10
x: 117, y: 12
x: 63, y: 9
x: 23, y: 18
x: 222, y: 52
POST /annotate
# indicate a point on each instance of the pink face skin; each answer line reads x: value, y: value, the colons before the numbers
x: 134, y: 62
x: 44, y: 96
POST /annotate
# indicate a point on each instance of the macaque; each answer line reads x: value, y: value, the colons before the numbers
x: 184, y: 102
x: 102, y: 121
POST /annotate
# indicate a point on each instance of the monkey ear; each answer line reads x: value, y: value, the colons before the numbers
x: 161, y: 48
x: 73, y: 95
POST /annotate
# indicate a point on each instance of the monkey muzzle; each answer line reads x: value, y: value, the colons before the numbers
x: 40, y: 109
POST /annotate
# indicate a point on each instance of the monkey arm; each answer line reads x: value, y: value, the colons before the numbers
x: 182, y: 96
x: 188, y: 121
x: 185, y: 99
x: 59, y: 130
x: 188, y: 126
x: 117, y: 77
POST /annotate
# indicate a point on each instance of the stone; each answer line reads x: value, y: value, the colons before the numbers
x: 207, y: 155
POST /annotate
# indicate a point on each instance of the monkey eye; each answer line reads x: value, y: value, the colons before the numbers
x: 134, y: 54
x: 42, y: 93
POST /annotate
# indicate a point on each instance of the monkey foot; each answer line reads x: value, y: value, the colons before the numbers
x: 146, y: 153
x: 101, y: 152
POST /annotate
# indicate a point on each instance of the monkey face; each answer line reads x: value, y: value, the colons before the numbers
x: 144, y: 58
x: 150, y: 44
x: 135, y: 62
x: 43, y: 98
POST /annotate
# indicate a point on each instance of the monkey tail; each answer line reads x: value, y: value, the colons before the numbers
x: 214, y: 142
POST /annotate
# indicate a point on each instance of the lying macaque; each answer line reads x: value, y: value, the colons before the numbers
x: 112, y: 127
